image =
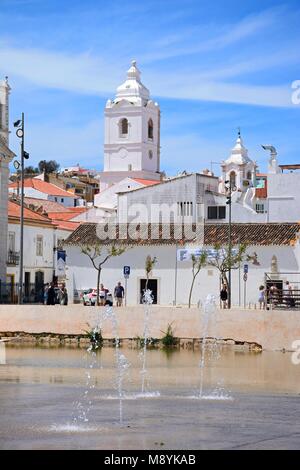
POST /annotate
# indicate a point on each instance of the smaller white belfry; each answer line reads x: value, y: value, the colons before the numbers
x: 239, y: 169
x: 132, y: 132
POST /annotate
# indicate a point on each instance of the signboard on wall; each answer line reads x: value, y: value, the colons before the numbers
x: 185, y: 254
x: 60, y: 263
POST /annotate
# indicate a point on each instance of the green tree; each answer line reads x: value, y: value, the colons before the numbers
x: 149, y: 265
x: 30, y: 170
x: 223, y: 260
x: 47, y: 167
x: 99, y: 256
x: 198, y: 262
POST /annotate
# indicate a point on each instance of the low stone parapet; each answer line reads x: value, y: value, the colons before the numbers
x: 271, y: 330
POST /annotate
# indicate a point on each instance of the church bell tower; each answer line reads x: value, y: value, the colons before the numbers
x: 132, y: 132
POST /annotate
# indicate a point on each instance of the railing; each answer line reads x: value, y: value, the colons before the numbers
x: 32, y: 293
x: 13, y: 258
x: 282, y: 290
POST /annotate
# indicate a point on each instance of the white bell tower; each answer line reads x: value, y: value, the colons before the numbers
x: 6, y: 156
x: 132, y: 132
x: 239, y: 168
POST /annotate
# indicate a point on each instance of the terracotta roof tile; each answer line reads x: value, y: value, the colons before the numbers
x: 43, y: 187
x: 250, y: 234
x: 146, y: 182
x: 14, y: 211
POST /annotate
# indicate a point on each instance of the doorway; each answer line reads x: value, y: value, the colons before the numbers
x: 152, y: 285
x: 39, y: 286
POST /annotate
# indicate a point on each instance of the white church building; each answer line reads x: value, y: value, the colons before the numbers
x: 131, y: 185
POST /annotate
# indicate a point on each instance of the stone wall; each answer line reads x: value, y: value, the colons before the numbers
x: 273, y: 330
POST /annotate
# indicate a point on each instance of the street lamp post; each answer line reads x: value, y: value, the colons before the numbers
x: 20, y: 133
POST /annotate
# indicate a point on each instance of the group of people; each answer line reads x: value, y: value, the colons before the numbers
x: 55, y: 294
x: 273, y: 296
x: 106, y: 297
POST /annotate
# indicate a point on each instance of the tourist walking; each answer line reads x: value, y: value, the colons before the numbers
x: 51, y: 295
x: 224, y: 296
x: 119, y: 294
x: 262, y: 297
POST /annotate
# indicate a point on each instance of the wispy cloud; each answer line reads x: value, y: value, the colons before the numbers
x: 231, y: 34
x: 91, y: 75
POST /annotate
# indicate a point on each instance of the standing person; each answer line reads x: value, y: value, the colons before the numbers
x: 119, y: 294
x: 51, y: 295
x: 102, y: 294
x: 224, y: 296
x: 273, y: 292
x: 63, y: 297
x: 262, y: 297
x: 46, y: 293
x: 289, y: 295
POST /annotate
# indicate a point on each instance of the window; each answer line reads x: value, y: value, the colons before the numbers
x: 150, y: 154
x: 129, y: 167
x: 249, y: 176
x: 124, y: 127
x: 55, y: 199
x: 39, y: 245
x: 260, y: 208
x: 62, y: 200
x: 232, y: 178
x: 11, y: 242
x: 150, y: 129
x: 216, y: 212
x: 184, y: 208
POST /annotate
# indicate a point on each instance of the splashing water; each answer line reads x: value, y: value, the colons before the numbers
x: 147, y: 301
x: 209, y: 309
x: 122, y: 363
x: 83, y: 407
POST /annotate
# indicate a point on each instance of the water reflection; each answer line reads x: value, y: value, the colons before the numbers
x: 238, y: 370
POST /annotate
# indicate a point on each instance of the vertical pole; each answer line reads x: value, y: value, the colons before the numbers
x: 20, y: 297
x: 239, y: 274
x: 229, y: 250
x: 125, y: 292
x: 245, y: 293
x: 176, y: 270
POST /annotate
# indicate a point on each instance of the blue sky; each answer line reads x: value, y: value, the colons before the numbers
x: 213, y: 66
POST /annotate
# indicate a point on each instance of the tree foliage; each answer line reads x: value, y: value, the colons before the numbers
x: 47, y: 167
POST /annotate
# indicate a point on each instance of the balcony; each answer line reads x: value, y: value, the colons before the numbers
x: 13, y: 258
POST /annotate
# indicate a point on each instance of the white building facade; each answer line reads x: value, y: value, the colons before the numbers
x: 5, y: 158
x: 42, y: 239
x: 268, y: 244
